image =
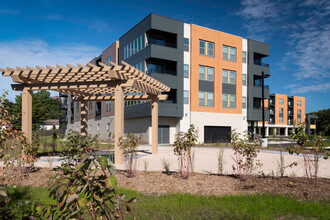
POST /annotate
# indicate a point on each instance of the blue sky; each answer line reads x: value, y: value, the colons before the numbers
x: 41, y: 32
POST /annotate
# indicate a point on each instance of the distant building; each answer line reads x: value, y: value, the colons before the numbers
x: 50, y: 124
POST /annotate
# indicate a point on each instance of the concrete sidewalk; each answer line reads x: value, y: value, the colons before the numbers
x: 206, y: 161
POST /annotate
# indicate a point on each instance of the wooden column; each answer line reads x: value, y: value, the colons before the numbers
x: 27, y: 113
x: 119, y: 123
x: 154, y: 125
x: 84, y: 118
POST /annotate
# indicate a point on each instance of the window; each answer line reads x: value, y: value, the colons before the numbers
x: 243, y: 102
x: 228, y: 101
x: 210, y: 49
x: 206, y: 48
x: 186, y: 71
x: 201, y: 72
x: 108, y: 106
x: 185, y: 97
x: 108, y: 60
x: 77, y: 108
x: 281, y: 101
x: 206, y: 99
x: 232, y: 77
x: 201, y: 98
x: 90, y: 108
x: 229, y: 77
x: 186, y: 44
x: 244, y: 57
x: 233, y: 54
x: 244, y: 79
x: 298, y: 103
x: 202, y: 47
x: 134, y: 46
x: 210, y: 74
x: 206, y: 73
x: 225, y: 53
x: 299, y: 116
x: 280, y: 115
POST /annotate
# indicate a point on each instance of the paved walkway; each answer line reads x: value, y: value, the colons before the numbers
x: 206, y: 160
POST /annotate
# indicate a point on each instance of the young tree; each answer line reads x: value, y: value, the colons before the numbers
x: 182, y: 149
x: 311, y: 160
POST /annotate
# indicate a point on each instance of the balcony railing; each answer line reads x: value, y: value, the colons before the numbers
x: 160, y: 43
x: 261, y: 64
x: 149, y: 71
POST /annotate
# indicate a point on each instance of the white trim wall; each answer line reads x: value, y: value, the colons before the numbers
x: 244, y: 88
x: 185, y: 120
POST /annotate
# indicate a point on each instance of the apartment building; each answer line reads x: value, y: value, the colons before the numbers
x: 284, y: 112
x: 215, y: 80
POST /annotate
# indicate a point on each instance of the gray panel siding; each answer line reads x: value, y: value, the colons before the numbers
x: 253, y: 69
x: 206, y: 86
x: 228, y: 89
x: 161, y: 23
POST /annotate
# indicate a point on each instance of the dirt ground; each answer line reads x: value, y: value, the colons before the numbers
x: 156, y: 183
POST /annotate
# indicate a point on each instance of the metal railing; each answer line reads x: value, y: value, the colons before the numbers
x: 261, y: 64
x: 160, y: 43
x: 149, y: 71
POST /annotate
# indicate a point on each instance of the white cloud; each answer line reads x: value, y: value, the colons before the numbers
x: 322, y: 87
x: 7, y: 11
x: 38, y: 52
x: 257, y: 9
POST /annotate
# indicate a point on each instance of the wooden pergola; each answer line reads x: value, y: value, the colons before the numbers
x: 90, y: 83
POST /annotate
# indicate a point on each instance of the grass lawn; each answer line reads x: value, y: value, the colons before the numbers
x: 183, y: 206
x: 46, y: 145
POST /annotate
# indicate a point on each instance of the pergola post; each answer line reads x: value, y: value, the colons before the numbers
x: 27, y: 114
x: 84, y: 118
x: 119, y: 122
x: 154, y: 125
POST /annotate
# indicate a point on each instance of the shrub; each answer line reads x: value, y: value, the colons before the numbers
x: 87, y: 186
x: 281, y: 165
x: 182, y: 149
x: 166, y: 166
x: 15, y: 151
x: 245, y: 152
x: 129, y: 145
x: 77, y: 144
x: 311, y: 161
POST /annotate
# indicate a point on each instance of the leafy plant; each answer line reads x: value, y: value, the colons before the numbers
x: 182, y: 149
x: 77, y: 144
x: 87, y: 186
x: 311, y: 160
x: 281, y: 165
x: 129, y: 145
x: 246, y: 152
x: 166, y: 165
x: 15, y: 151
x: 221, y: 161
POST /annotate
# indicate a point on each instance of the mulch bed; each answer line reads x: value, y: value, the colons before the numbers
x: 158, y: 183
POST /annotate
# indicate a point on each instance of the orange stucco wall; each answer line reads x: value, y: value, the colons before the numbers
x: 296, y: 107
x: 277, y: 109
x: 219, y: 39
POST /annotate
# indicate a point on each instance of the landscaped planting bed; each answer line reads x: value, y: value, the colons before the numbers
x: 158, y: 183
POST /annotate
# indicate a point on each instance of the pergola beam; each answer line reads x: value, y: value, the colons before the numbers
x: 112, y: 98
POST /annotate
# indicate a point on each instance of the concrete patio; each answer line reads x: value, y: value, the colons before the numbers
x: 206, y: 160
